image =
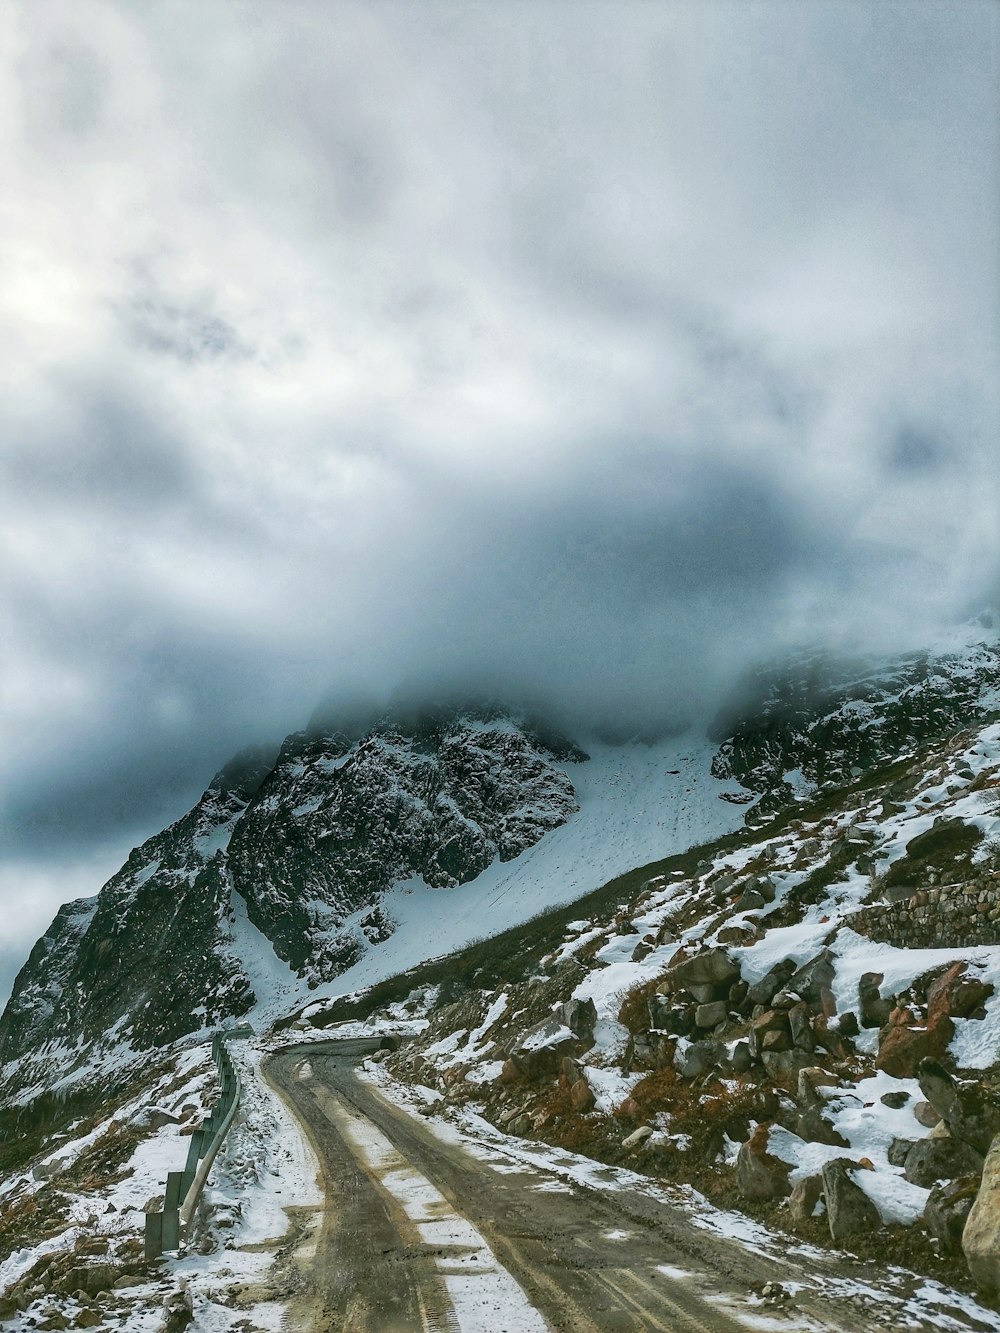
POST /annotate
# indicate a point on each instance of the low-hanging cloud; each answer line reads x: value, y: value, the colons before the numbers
x: 352, y: 348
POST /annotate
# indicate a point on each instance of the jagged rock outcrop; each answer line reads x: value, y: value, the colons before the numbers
x: 339, y: 820
x: 147, y: 960
x: 307, y: 846
x: 815, y: 721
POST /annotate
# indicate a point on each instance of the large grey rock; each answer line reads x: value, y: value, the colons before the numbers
x: 580, y: 1017
x: 981, y: 1237
x: 712, y: 967
x: 947, y: 1210
x: 933, y: 1159
x: 813, y: 976
x: 763, y: 991
x: 849, y: 1210
x: 970, y: 1115
x: 708, y: 1015
x: 699, y: 1057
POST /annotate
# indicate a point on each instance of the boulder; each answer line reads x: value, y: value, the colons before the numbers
x: 981, y: 1237
x: 709, y: 1015
x: 800, y: 1026
x: 971, y: 1116
x: 698, y: 1057
x: 775, y: 1040
x: 955, y: 993
x: 741, y: 1059
x: 804, y: 1197
x: 541, y: 1049
x: 580, y: 1016
x: 895, y: 1100
x: 874, y: 1010
x: 903, y: 1044
x: 762, y: 992
x: 712, y: 967
x: 924, y: 1114
x: 703, y: 994
x: 90, y: 1278
x: 933, y: 1159
x: 812, y: 977
x: 849, y: 1210
x: 947, y: 1210
x: 771, y: 1020
x: 759, y: 1175
x: 572, y: 1070
x: 581, y: 1096
x: 899, y: 1150
x: 813, y: 1126
x: 784, y: 1066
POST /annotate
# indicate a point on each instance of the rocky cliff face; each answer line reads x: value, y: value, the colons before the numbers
x: 813, y: 721
x: 339, y: 821
x: 305, y: 842
x: 306, y: 845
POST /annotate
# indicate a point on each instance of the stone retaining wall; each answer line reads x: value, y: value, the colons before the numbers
x: 953, y: 916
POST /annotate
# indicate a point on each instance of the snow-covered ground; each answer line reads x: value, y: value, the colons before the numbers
x: 638, y: 803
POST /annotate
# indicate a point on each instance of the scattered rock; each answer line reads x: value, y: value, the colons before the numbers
x: 903, y: 1044
x: 981, y: 1237
x: 970, y: 1116
x: 812, y: 1126
x: 698, y: 1057
x: 581, y: 1094
x: 759, y: 1175
x: 933, y: 1159
x: 947, y: 1210
x: 899, y: 1150
x: 708, y: 1015
x: 894, y: 1100
x: 804, y: 1197
x: 849, y: 1210
x: 712, y: 967
x: 925, y: 1115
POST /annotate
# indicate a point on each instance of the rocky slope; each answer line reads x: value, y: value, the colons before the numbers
x: 804, y: 1022
x: 299, y: 845
x: 288, y: 870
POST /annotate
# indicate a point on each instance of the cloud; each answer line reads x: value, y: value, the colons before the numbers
x: 351, y: 346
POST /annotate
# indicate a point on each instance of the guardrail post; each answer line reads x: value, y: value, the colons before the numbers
x: 171, y: 1222
x: 174, y: 1194
x: 154, y: 1235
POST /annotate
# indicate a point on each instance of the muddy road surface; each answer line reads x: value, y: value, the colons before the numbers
x: 421, y: 1231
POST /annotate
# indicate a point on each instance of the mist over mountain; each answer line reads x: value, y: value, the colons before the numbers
x: 584, y: 367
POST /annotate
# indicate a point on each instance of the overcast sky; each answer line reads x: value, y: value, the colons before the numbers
x: 595, y: 349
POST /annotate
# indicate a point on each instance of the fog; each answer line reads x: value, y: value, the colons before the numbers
x: 585, y: 354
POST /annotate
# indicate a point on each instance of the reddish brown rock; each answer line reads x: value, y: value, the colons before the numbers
x: 903, y: 1044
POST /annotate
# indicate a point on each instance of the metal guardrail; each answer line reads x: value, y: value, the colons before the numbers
x: 166, y: 1227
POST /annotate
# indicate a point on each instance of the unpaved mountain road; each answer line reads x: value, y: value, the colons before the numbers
x: 419, y: 1233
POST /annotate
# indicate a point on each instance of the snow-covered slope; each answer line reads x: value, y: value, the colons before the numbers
x: 362, y: 850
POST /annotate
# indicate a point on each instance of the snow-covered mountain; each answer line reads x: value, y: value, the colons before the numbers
x: 359, y: 851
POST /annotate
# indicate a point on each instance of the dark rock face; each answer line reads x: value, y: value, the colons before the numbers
x: 817, y: 716
x: 337, y: 822
x: 934, y: 1159
x: 947, y: 1210
x: 306, y: 841
x: 147, y: 960
x: 849, y: 1210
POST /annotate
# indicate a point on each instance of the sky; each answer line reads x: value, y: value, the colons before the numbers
x: 593, y: 351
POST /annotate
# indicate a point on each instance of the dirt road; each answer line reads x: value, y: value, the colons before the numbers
x: 421, y: 1234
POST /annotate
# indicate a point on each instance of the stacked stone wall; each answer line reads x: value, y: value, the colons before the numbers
x: 950, y: 916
